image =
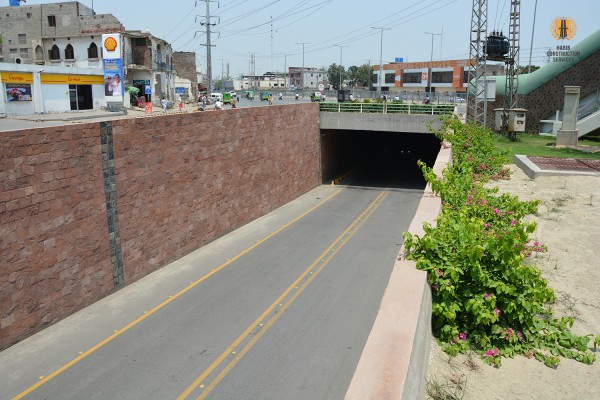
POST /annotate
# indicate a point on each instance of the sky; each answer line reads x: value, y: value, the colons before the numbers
x: 273, y: 30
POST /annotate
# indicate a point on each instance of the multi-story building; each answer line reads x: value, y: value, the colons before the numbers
x: 308, y: 78
x: 447, y: 76
x: 69, y: 35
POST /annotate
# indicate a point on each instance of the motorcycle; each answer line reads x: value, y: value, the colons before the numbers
x: 297, y: 96
x: 280, y: 96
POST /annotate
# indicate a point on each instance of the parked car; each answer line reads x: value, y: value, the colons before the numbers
x: 457, y: 99
x: 233, y: 93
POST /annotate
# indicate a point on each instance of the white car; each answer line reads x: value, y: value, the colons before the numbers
x: 457, y: 99
x: 216, y: 96
x: 233, y: 93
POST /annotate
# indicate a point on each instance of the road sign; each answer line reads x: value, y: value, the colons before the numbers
x: 321, y: 86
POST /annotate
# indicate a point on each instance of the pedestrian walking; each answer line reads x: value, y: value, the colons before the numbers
x: 180, y: 101
x: 163, y: 104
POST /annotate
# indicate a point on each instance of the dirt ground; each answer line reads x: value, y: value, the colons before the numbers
x: 568, y: 222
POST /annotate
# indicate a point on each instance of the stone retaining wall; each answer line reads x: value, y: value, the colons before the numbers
x: 86, y: 209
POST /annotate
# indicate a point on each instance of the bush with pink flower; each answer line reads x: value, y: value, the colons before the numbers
x: 487, y: 295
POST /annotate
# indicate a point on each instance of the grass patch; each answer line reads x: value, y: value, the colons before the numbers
x: 535, y: 145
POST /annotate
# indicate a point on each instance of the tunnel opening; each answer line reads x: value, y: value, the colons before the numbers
x: 376, y: 159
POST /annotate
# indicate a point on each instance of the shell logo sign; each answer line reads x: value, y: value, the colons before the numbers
x: 110, y: 43
x: 563, y: 28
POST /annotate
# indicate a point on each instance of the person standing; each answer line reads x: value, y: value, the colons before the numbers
x: 270, y: 99
x: 163, y: 104
x: 180, y: 102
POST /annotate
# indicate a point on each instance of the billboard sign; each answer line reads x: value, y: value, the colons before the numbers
x: 113, y: 67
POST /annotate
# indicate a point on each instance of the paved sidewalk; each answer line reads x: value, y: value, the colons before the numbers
x: 17, y: 122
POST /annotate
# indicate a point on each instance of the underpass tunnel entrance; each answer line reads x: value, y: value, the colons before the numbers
x: 376, y: 159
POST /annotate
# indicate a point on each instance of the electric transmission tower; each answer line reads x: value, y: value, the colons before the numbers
x: 477, y: 105
x: 512, y: 61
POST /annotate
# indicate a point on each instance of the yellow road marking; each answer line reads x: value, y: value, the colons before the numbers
x: 164, y: 303
x: 324, y: 259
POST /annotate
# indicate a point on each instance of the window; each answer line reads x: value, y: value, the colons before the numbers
x: 22, y: 38
x: 93, y: 51
x: 69, y: 52
x: 442, y: 77
x: 24, y: 53
x: 51, y: 20
x: 390, y: 78
x: 14, y: 51
x: 39, y: 53
x: 412, y: 77
x: 54, y: 53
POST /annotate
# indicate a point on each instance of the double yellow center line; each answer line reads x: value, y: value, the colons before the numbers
x: 236, y: 351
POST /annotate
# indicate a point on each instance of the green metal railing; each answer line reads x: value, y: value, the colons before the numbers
x: 388, y: 108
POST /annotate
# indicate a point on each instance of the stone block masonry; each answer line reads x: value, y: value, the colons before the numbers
x: 170, y: 185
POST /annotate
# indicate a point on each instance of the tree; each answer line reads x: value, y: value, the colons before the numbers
x: 333, y: 75
x: 524, y: 69
x: 364, y: 74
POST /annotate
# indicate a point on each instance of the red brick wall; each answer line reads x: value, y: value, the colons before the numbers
x: 182, y: 181
x: 54, y: 256
x: 185, y: 180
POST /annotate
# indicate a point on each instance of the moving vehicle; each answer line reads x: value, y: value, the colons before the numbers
x: 317, y: 96
x: 233, y: 93
x: 216, y: 96
x: 249, y: 94
x: 227, y: 98
x: 264, y: 96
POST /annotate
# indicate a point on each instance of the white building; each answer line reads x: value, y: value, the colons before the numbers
x: 35, y: 89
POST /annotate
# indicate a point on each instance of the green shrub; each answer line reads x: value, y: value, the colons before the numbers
x: 486, y: 297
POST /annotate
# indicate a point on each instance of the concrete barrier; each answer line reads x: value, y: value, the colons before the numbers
x: 394, y: 362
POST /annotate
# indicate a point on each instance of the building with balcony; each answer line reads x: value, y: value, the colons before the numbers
x: 69, y: 35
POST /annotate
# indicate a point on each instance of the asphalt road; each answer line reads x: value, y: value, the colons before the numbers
x: 279, y: 309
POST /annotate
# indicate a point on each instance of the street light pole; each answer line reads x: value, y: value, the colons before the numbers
x: 380, y: 60
x: 303, y: 43
x: 430, y: 74
x: 340, y: 68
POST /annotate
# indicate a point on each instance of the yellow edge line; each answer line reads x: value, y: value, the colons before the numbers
x: 164, y: 303
x: 275, y: 317
x: 252, y: 326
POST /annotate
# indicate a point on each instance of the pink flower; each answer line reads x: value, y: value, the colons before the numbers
x: 497, y: 312
x: 520, y: 335
x: 462, y: 336
x: 440, y: 273
x: 436, y: 287
x: 513, y: 222
x: 492, y: 353
x: 487, y: 296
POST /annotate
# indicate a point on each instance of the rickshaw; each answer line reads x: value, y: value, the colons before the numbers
x: 226, y: 98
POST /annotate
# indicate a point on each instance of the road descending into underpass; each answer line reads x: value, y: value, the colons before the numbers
x: 279, y: 309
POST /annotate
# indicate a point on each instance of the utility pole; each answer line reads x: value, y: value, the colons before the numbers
x: 430, y: 74
x: 379, y: 76
x: 340, y: 68
x: 369, y: 75
x: 208, y: 45
x: 303, y: 43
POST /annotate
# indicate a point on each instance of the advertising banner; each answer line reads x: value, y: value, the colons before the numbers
x: 18, y: 92
x: 113, y: 67
x: 113, y: 80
